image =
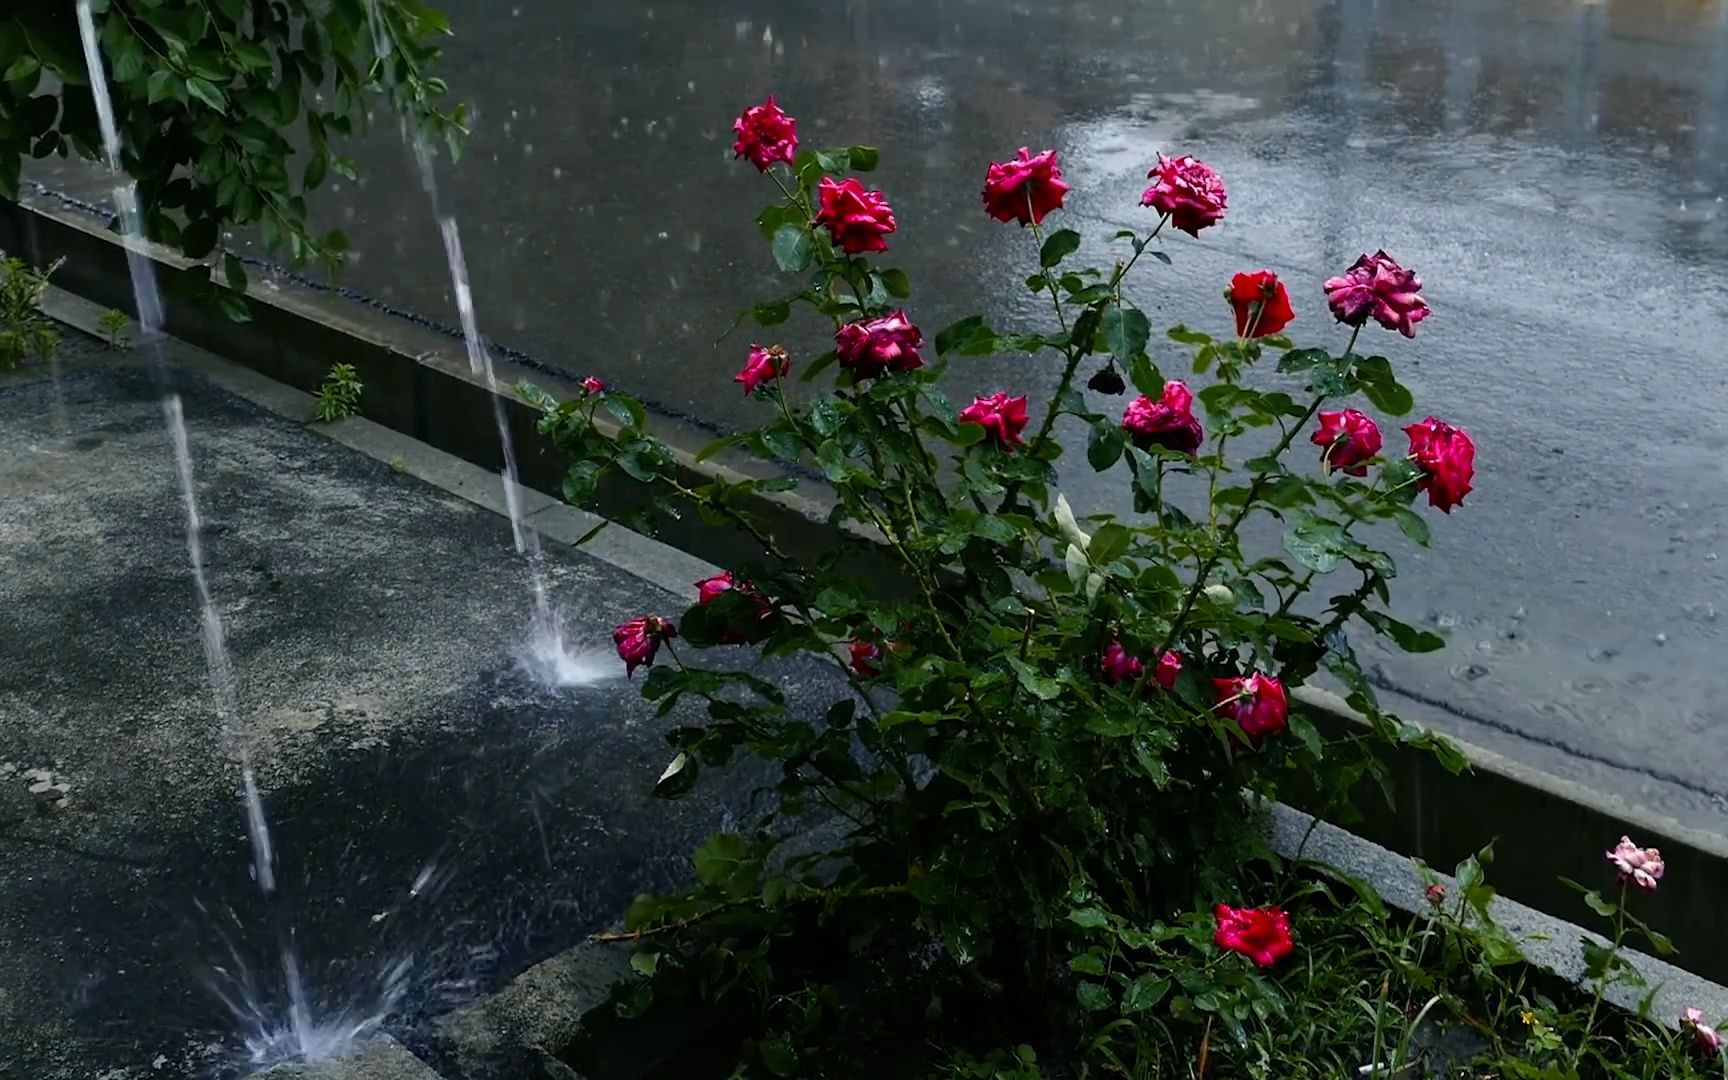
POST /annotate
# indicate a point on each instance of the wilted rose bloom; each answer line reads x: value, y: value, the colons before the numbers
x: 764, y: 365
x: 765, y: 135
x: 1447, y: 459
x: 1119, y: 666
x: 639, y: 639
x: 1705, y: 1039
x: 1435, y: 893
x: 1003, y: 417
x: 864, y: 657
x: 1376, y: 285
x: 1024, y: 189
x: 1169, y: 421
x: 1256, y: 702
x: 1261, y: 303
x: 711, y: 589
x: 1643, y: 867
x: 592, y: 386
x: 888, y: 343
x: 857, y: 219
x: 1169, y: 666
x: 1349, y: 438
x: 1260, y: 934
x: 1188, y: 190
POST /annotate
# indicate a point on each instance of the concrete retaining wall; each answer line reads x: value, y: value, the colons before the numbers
x: 418, y: 382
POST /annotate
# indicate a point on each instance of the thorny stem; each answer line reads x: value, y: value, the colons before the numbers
x: 1602, y: 980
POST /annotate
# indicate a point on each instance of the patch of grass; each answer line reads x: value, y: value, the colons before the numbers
x: 339, y: 396
x: 25, y: 333
x: 113, y: 326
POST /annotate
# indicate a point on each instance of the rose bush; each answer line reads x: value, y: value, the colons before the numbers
x: 1051, y: 733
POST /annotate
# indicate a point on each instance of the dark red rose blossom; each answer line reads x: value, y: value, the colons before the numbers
x: 864, y: 655
x: 1001, y: 416
x: 1024, y: 189
x: 857, y: 219
x: 1375, y: 285
x: 1118, y: 666
x: 1261, y: 303
x: 763, y: 365
x: 1188, y: 190
x: 1260, y: 934
x: 1169, y: 421
x: 1169, y: 666
x: 1256, y: 702
x: 1447, y: 459
x: 639, y: 639
x: 1349, y: 438
x: 765, y: 135
x: 711, y: 589
x: 870, y: 348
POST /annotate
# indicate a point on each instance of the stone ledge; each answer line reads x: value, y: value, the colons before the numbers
x: 383, y: 1059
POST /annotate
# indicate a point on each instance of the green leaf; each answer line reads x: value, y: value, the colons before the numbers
x: 970, y: 336
x: 1125, y: 331
x: 1316, y: 543
x: 644, y: 962
x: 1061, y: 244
x: 771, y: 313
x: 1087, y: 964
x: 897, y: 283
x: 818, y: 365
x: 1108, y: 543
x: 863, y: 158
x: 1605, y: 908
x: 1299, y: 360
x: 206, y: 91
x: 793, y: 248
x: 1405, y: 636
x: 1374, y: 376
x: 1144, y: 992
x: 1412, y: 525
x: 724, y: 862
x: 1093, y: 997
x: 1145, y: 376
x: 1104, y: 445
x: 1039, y: 686
x: 778, y: 1055
x: 1184, y: 336
x: 1089, y: 918
x: 22, y: 68
x: 722, y: 443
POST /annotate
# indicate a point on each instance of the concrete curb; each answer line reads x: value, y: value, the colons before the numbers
x: 418, y: 384
x: 383, y: 1059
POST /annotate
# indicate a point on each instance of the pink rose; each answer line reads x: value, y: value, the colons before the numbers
x: 1256, y: 703
x: 1188, y: 191
x: 1169, y: 421
x: 592, y: 386
x: 1001, y: 416
x: 1447, y: 459
x: 1260, y: 934
x: 1024, y: 189
x: 1643, y: 867
x: 864, y: 656
x: 1261, y: 303
x: 764, y: 365
x: 857, y: 219
x: 888, y: 343
x: 1435, y: 893
x: 639, y: 639
x: 1705, y: 1039
x: 1118, y: 666
x: 1349, y: 438
x: 1169, y: 666
x: 765, y: 135
x: 1376, y: 285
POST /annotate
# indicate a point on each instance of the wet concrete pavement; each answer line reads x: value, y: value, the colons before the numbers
x: 1555, y: 169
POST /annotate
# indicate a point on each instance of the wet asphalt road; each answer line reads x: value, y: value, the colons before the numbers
x: 1555, y: 169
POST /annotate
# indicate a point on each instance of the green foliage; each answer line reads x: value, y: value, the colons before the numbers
x: 338, y: 395
x: 112, y: 323
x: 1026, y: 855
x: 25, y: 333
x: 230, y: 111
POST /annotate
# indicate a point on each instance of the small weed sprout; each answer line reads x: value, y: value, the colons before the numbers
x: 339, y: 396
x: 113, y: 326
x: 25, y: 332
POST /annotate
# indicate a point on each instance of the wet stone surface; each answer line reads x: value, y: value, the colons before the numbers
x: 436, y: 812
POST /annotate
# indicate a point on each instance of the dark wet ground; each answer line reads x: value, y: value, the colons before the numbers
x: 428, y: 800
x: 1555, y: 169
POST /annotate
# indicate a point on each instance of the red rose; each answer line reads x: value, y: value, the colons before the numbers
x: 592, y: 386
x: 864, y: 657
x: 1188, y: 191
x: 1435, y: 893
x: 1169, y: 666
x: 711, y: 589
x: 1025, y: 189
x: 1447, y: 459
x: 765, y: 135
x: 1256, y: 702
x: 1376, y: 285
x: 1349, y: 439
x: 888, y: 343
x: 1119, y: 666
x: 764, y: 365
x: 1260, y: 934
x: 857, y: 219
x: 1169, y: 421
x: 1003, y: 417
x: 639, y: 639
x: 1261, y: 302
